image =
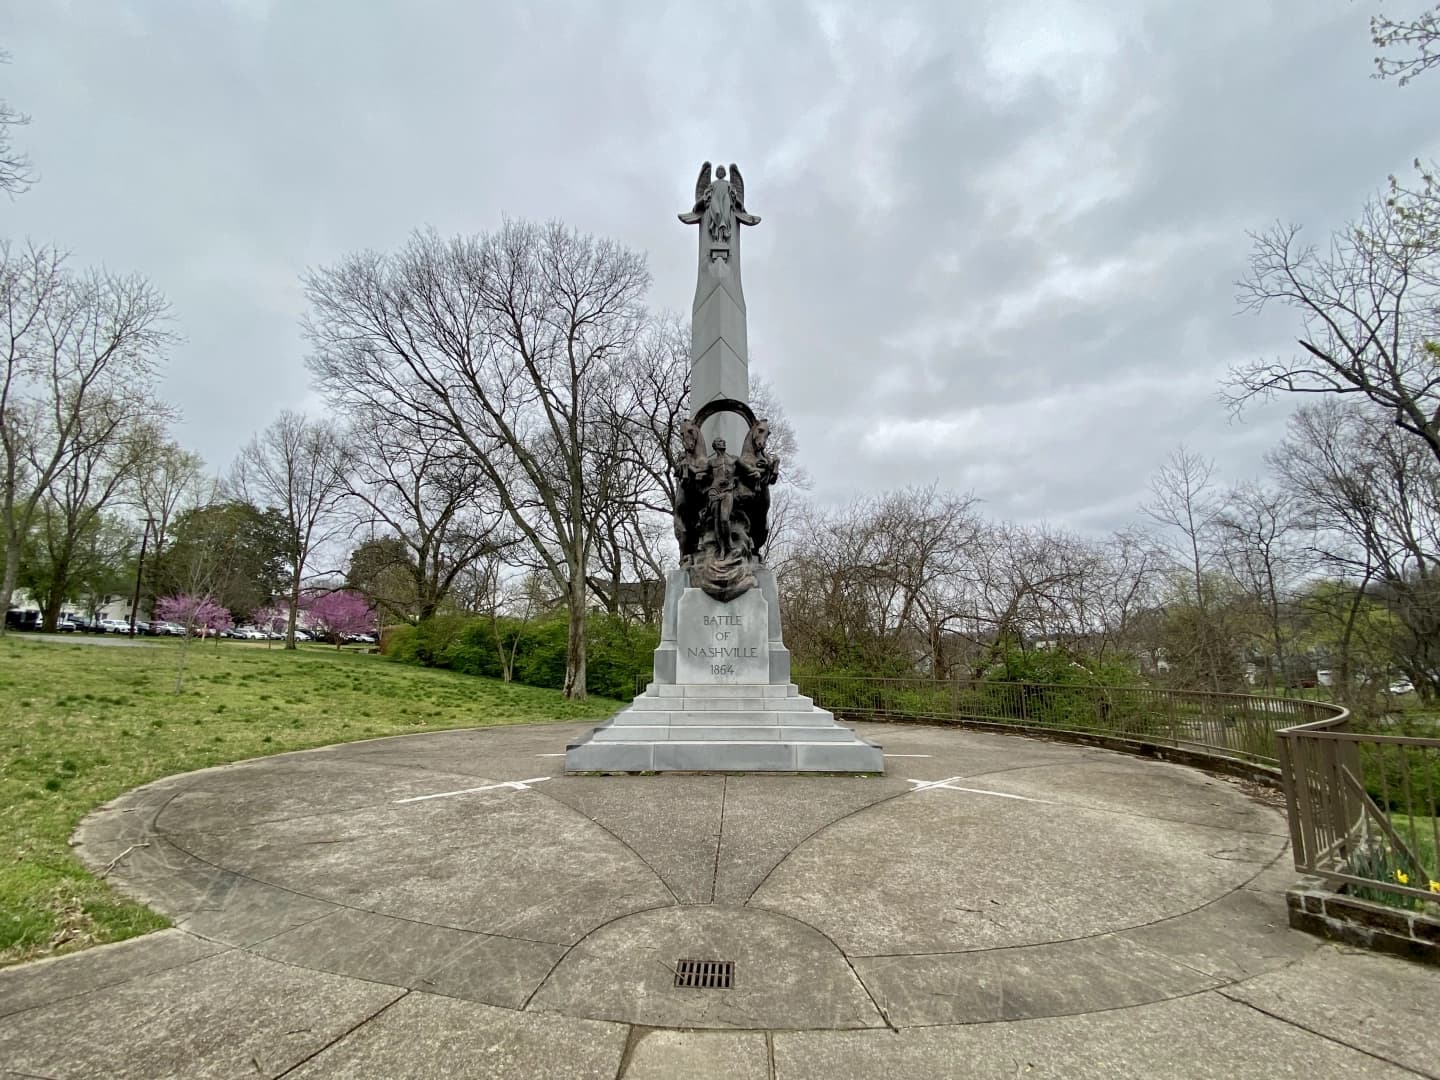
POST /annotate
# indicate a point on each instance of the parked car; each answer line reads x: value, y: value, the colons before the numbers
x: 167, y: 629
x: 115, y: 626
x: 1402, y: 686
x: 66, y: 625
x: 22, y: 620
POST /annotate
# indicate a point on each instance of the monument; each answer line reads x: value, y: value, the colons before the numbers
x: 722, y: 699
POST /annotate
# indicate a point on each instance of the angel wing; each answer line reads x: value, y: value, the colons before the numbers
x: 703, y: 184
x: 737, y: 185
x: 737, y: 190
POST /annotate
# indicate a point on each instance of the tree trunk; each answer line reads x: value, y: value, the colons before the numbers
x: 575, y: 639
x: 50, y: 616
x: 294, y: 604
x: 12, y: 569
x: 180, y: 662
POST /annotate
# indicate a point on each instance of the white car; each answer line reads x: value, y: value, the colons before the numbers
x: 1402, y: 686
x: 115, y: 626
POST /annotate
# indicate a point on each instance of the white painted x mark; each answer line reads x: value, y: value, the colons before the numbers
x: 949, y: 785
x: 514, y: 785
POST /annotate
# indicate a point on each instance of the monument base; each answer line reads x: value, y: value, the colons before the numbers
x: 722, y: 699
x: 757, y: 727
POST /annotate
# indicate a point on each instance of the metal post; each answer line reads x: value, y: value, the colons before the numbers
x: 139, y: 569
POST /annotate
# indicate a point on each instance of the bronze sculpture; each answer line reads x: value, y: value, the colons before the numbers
x: 722, y: 504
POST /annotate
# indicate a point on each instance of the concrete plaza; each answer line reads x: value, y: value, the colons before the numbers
x: 451, y: 905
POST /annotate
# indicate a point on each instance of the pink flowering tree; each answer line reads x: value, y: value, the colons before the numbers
x: 201, y: 613
x: 194, y: 613
x: 339, y: 615
x: 271, y: 618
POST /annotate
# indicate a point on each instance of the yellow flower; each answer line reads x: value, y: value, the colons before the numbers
x: 1402, y: 877
x: 1435, y: 886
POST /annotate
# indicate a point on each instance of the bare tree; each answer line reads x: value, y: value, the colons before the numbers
x: 77, y: 362
x: 1420, y: 33
x: 167, y: 481
x: 832, y: 619
x: 1186, y: 505
x: 1125, y: 589
x: 643, y: 402
x: 1184, y: 501
x: 1369, y: 303
x: 1375, y: 498
x: 16, y: 172
x: 882, y: 584
x: 923, y: 558
x: 1034, y: 585
x: 421, y: 486
x: 500, y: 340
x: 93, y: 480
x: 296, y: 466
x: 1261, y: 548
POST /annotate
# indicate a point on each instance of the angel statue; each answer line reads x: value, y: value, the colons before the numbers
x: 719, y: 204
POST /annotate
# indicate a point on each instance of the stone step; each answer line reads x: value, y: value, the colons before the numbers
x: 805, y: 718
x: 712, y: 717
x: 677, y: 756
x: 700, y: 690
x: 721, y: 734
x: 722, y: 704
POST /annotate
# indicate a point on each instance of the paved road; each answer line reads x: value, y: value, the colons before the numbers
x: 446, y: 905
x: 108, y: 640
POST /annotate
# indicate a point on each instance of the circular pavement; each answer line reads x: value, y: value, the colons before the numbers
x: 984, y: 878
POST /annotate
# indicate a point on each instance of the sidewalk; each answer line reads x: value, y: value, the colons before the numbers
x: 445, y: 905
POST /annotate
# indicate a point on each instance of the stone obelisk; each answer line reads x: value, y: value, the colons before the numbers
x: 719, y: 351
x: 722, y: 699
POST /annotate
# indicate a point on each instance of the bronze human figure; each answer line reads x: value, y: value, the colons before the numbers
x: 722, y: 503
x: 720, y: 478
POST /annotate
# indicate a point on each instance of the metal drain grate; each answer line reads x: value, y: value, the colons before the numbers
x: 705, y: 974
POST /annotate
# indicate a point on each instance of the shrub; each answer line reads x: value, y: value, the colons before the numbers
x: 397, y: 641
x: 617, y: 653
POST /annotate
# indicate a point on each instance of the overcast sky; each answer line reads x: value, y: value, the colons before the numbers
x: 999, y: 239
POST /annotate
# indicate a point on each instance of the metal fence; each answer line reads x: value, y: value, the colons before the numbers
x: 1363, y: 808
x: 1233, y: 725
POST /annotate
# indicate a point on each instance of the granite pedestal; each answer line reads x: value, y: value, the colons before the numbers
x: 722, y: 699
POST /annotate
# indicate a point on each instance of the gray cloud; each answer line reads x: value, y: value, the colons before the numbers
x: 999, y: 240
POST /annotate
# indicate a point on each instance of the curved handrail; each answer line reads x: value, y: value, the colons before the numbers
x: 1337, y: 829
x: 1209, y: 723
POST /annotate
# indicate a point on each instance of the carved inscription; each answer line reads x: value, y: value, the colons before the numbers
x: 724, y: 642
x: 726, y: 630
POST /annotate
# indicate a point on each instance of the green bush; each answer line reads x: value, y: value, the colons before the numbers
x: 1057, y: 667
x: 398, y: 642
x: 616, y: 652
x: 426, y: 642
x: 1400, y: 778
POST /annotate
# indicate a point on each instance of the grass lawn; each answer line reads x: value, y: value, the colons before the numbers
x: 1419, y: 834
x: 82, y: 723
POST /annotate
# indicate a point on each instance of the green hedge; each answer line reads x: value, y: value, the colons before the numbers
x: 616, y: 652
